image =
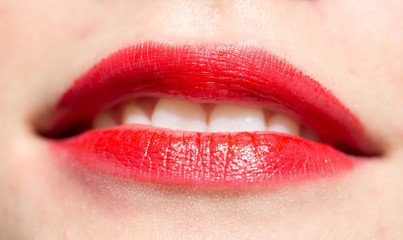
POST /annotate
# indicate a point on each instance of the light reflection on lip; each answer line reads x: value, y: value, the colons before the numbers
x: 206, y: 73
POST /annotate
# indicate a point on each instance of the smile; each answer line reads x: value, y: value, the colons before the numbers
x: 208, y: 114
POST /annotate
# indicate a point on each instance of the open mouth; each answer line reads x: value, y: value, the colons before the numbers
x: 182, y: 115
x: 205, y: 115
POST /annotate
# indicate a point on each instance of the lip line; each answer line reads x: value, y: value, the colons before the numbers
x: 206, y: 73
x: 254, y: 64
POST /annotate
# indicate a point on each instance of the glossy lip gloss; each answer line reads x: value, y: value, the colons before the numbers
x: 206, y: 73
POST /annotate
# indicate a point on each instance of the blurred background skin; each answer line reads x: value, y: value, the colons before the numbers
x: 354, y: 48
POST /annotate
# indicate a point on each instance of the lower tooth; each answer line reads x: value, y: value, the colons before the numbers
x: 104, y: 120
x: 283, y: 124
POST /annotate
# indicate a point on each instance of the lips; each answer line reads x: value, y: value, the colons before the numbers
x: 206, y: 73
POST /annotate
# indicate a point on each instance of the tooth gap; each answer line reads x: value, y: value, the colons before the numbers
x: 267, y: 115
x: 147, y: 104
x: 208, y: 108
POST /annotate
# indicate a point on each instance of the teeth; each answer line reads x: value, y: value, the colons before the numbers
x: 134, y: 114
x: 104, y: 120
x: 283, y: 124
x: 231, y: 118
x: 178, y: 114
x: 182, y: 115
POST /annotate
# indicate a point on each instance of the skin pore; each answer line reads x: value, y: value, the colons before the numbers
x: 352, y: 48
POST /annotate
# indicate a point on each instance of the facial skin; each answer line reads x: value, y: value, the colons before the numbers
x: 353, y: 48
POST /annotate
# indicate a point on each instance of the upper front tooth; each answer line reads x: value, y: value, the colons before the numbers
x: 134, y: 114
x: 284, y: 124
x: 179, y: 114
x: 232, y: 118
x: 104, y: 120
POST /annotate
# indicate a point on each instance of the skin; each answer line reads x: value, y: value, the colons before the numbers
x: 354, y: 48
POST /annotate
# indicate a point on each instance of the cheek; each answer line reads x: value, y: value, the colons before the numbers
x: 39, y: 28
x: 361, y: 41
x: 365, y: 32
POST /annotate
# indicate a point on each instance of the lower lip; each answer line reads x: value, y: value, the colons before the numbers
x: 151, y: 154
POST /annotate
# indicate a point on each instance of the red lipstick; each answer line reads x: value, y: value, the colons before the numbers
x: 207, y: 73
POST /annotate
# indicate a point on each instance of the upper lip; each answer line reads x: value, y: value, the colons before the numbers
x: 208, y: 73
